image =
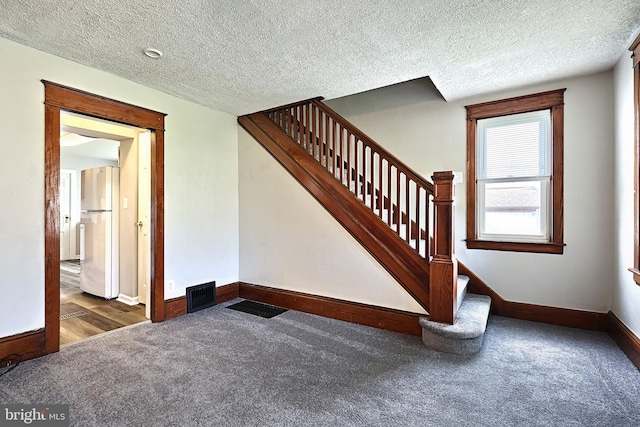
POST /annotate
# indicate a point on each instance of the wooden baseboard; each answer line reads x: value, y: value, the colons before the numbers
x: 579, y: 319
x: 25, y: 346
x: 227, y: 292
x: 626, y: 340
x: 536, y: 313
x: 363, y: 314
x: 175, y: 307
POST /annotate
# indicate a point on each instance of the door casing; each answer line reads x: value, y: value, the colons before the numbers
x: 57, y: 98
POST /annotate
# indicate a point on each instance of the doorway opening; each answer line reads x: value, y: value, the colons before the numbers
x: 60, y: 98
x: 104, y: 222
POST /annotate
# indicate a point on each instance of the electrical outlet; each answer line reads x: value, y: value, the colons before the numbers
x: 171, y: 284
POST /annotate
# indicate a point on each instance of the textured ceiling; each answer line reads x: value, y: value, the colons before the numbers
x: 244, y: 56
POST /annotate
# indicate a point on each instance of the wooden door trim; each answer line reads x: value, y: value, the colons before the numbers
x: 59, y: 97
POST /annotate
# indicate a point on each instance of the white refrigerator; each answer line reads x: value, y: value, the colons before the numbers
x: 99, y: 259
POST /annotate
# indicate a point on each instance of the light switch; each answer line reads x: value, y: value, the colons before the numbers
x: 125, y: 203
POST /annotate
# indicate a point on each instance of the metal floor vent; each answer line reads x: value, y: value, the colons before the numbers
x: 71, y: 315
x: 201, y: 296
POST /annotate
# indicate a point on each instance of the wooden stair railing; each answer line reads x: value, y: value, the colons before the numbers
x: 382, y: 202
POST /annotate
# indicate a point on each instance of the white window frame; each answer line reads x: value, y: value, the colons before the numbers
x: 543, y: 118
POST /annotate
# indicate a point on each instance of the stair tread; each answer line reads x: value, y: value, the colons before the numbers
x: 471, y: 321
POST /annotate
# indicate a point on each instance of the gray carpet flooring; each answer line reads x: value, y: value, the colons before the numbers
x: 221, y: 367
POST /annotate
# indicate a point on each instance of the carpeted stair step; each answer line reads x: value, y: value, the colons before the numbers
x: 465, y: 335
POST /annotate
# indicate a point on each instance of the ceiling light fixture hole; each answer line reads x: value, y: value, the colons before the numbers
x: 152, y: 53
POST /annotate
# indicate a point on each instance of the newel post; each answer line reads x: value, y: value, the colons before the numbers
x: 444, y: 267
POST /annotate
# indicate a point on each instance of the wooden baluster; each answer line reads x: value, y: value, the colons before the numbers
x: 338, y: 148
x: 362, y: 185
x: 380, y: 193
x: 308, y: 129
x: 299, y: 125
x: 349, y: 164
x: 294, y: 125
x: 291, y: 119
x: 313, y: 134
x: 343, y: 179
x: 363, y: 176
x: 417, y: 236
x: 339, y: 141
x: 397, y: 210
x: 357, y: 167
x: 389, y: 210
x: 287, y: 125
x: 329, y: 146
x: 285, y: 118
x: 443, y: 267
x: 322, y: 145
x: 407, y: 209
x: 370, y: 182
x: 303, y: 127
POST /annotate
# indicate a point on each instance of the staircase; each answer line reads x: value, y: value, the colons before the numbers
x: 403, y: 220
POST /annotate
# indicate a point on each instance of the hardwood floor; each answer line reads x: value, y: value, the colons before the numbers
x: 83, y: 315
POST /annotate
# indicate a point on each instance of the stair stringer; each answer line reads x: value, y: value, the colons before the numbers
x: 395, y: 255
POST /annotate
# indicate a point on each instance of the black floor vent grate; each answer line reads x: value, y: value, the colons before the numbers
x: 201, y: 296
x: 257, y: 308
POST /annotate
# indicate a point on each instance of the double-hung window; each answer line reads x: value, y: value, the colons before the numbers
x: 514, y: 149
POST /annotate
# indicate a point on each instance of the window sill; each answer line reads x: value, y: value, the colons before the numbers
x: 636, y: 275
x: 545, y: 248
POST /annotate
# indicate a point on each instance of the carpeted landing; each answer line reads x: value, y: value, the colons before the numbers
x: 221, y: 367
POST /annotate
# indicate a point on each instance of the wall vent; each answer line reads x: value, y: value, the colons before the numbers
x: 201, y: 296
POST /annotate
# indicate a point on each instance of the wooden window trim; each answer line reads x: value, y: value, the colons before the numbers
x: 553, y: 100
x: 635, y: 49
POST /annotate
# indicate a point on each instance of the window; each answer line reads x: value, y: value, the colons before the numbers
x: 635, y: 48
x: 515, y: 175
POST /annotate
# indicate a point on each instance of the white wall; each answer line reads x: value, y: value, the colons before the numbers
x: 430, y: 135
x: 626, y: 294
x: 289, y: 241
x: 201, y: 187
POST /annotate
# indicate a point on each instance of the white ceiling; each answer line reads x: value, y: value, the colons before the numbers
x: 245, y: 56
x: 103, y: 149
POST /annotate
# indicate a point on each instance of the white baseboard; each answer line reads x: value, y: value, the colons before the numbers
x: 128, y: 300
